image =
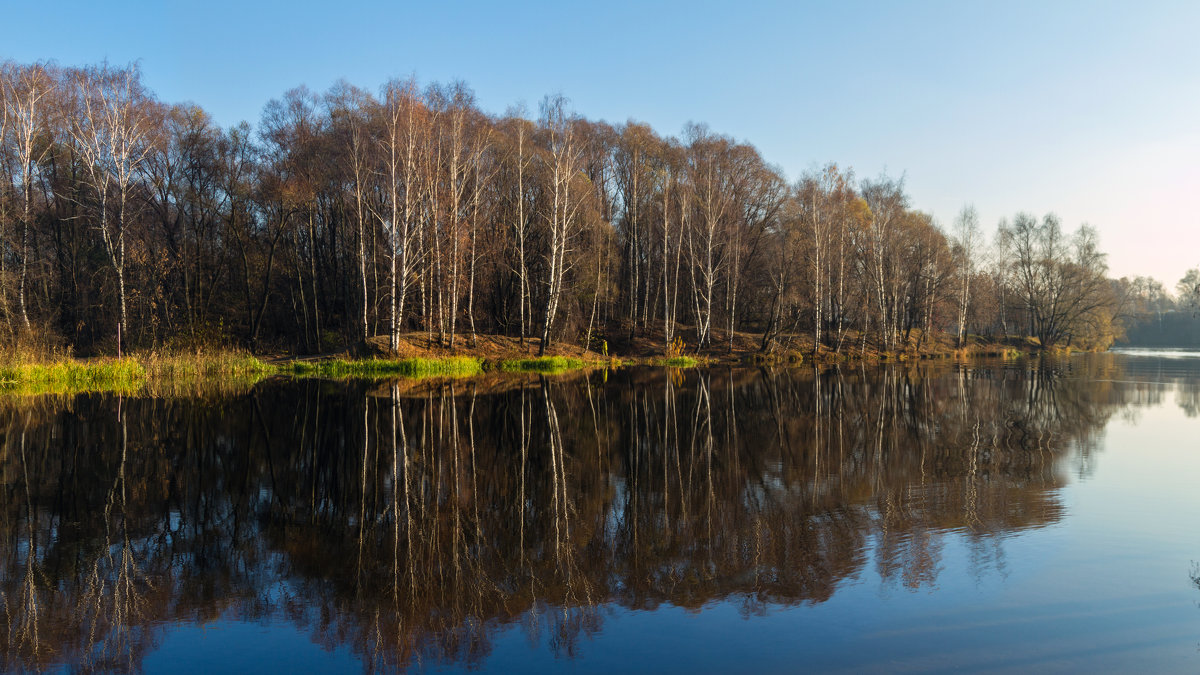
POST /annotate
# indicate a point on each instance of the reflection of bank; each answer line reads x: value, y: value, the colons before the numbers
x: 106, y: 624
x: 413, y: 523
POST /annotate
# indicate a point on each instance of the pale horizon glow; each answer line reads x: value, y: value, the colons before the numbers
x: 1084, y: 109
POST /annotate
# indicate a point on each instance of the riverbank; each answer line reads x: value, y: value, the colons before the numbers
x: 181, y: 372
x: 420, y: 357
x: 648, y: 347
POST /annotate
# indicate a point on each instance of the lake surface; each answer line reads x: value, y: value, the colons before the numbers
x: 1007, y: 516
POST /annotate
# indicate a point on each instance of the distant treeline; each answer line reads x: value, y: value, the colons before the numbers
x: 1152, y: 317
x: 127, y: 220
x: 1169, y: 329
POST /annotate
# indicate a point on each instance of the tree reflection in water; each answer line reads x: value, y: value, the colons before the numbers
x: 410, y: 522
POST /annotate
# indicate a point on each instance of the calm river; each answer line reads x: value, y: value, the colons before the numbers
x: 1006, y: 516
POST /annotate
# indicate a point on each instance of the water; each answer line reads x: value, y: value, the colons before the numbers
x: 993, y: 517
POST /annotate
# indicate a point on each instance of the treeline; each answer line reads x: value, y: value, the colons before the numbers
x: 1148, y: 297
x: 1154, y: 317
x: 127, y: 221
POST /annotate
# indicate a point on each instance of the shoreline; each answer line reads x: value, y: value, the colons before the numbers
x: 231, y: 368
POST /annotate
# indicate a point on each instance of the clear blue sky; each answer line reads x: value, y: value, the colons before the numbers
x: 1090, y: 109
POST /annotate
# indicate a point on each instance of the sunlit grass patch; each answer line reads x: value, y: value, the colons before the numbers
x: 540, y: 364
x: 189, y: 372
x: 207, y: 364
x: 69, y: 376
x: 677, y: 362
x: 453, y: 366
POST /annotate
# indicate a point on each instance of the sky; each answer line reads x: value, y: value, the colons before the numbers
x: 1090, y: 110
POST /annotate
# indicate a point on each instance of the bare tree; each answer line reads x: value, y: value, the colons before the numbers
x: 403, y: 117
x: 672, y: 241
x: 354, y: 216
x: 6, y: 180
x: 1188, y: 289
x: 634, y: 185
x: 353, y: 110
x: 1060, y: 281
x: 561, y: 222
x: 523, y: 158
x: 114, y: 131
x: 26, y: 111
x: 966, y: 236
x: 887, y: 203
x: 454, y: 105
x: 708, y: 178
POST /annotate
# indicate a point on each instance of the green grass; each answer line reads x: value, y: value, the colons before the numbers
x: 203, y: 364
x: 540, y: 364
x: 454, y: 366
x: 154, y: 374
x: 69, y: 376
x: 677, y: 362
x: 150, y: 373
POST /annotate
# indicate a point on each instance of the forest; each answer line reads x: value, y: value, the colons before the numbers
x: 129, y: 223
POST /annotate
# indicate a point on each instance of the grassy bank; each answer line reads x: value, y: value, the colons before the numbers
x: 448, y: 366
x: 452, y: 366
x: 194, y: 372
x: 161, y: 373
x: 229, y: 370
x: 539, y: 364
x: 67, y: 376
x: 675, y: 362
x: 206, y: 364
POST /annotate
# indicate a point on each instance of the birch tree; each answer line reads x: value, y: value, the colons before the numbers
x: 674, y: 203
x: 454, y: 104
x: 966, y: 239
x: 521, y: 157
x: 25, y: 112
x: 403, y: 121
x: 887, y: 202
x: 7, y: 188
x: 634, y: 179
x: 114, y: 130
x: 352, y: 111
x: 561, y: 225
x: 711, y: 199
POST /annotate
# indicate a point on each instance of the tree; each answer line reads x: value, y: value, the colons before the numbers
x: 353, y: 111
x: 403, y: 123
x: 115, y: 129
x: 824, y: 199
x: 560, y: 220
x: 1188, y: 289
x: 708, y: 178
x: 635, y: 177
x: 759, y: 193
x: 520, y: 157
x: 253, y: 219
x: 453, y: 106
x: 966, y: 245
x: 1060, y: 282
x: 879, y: 253
x: 339, y: 216
x: 25, y: 111
x: 674, y: 200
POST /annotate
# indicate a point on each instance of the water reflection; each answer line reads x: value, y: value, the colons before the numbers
x: 411, y: 524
